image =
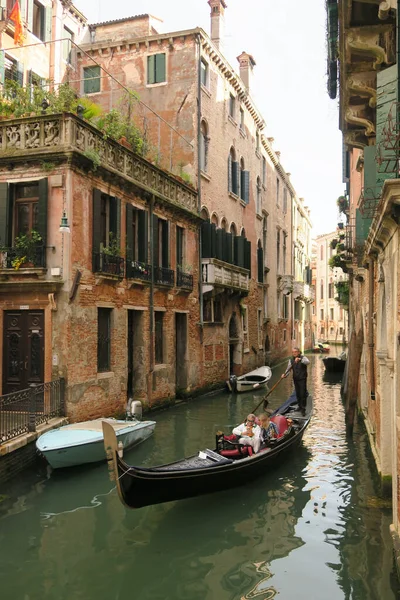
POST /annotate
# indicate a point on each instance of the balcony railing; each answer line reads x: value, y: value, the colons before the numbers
x: 15, y: 258
x: 138, y: 270
x: 303, y: 291
x: 216, y: 273
x: 184, y: 280
x: 43, y: 135
x: 164, y: 276
x: 108, y: 264
x: 22, y: 411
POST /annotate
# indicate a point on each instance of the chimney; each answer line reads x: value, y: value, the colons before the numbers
x: 217, y: 22
x: 246, y: 64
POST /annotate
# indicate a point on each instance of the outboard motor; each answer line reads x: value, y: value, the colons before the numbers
x: 232, y: 383
x: 135, y: 409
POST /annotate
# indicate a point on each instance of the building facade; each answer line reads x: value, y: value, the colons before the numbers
x: 363, y: 40
x: 246, y: 197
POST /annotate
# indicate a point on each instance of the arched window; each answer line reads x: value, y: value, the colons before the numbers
x: 322, y: 289
x: 233, y: 173
x: 204, y: 140
x: 258, y: 196
x: 233, y: 229
x: 214, y: 219
x: 243, y: 232
x: 224, y: 224
x: 205, y: 214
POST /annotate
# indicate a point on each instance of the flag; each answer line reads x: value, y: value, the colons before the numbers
x: 15, y: 15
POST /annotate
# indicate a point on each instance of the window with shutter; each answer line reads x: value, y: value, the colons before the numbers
x: 246, y: 183
x: 38, y: 26
x: 91, y: 80
x: 159, y: 337
x: 235, y: 177
x: 260, y: 265
x: 156, y: 68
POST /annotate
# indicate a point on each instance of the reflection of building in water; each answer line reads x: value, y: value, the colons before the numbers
x: 262, y: 587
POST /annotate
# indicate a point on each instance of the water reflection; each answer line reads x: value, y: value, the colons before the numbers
x: 312, y: 529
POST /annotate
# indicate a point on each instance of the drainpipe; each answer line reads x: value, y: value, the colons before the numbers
x: 371, y: 326
x: 151, y: 286
x: 199, y: 179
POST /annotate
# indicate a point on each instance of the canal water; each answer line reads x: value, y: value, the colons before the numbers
x: 315, y: 528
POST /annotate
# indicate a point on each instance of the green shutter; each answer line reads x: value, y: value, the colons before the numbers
x: 155, y: 241
x: 29, y: 15
x: 96, y: 237
x: 246, y: 182
x: 20, y: 73
x: 229, y: 241
x: 160, y: 68
x: 386, y: 88
x: 151, y: 69
x: 213, y: 241
x: 206, y: 240
x: 219, y: 253
x: 165, y: 244
x: 229, y: 173
x: 239, y: 250
x: 129, y: 232
x: 115, y: 218
x: 362, y: 227
x: 142, y: 235
x: 47, y: 24
x: 42, y: 209
x: 4, y: 215
x: 260, y: 265
x: 247, y: 255
x: 179, y: 246
x: 235, y: 177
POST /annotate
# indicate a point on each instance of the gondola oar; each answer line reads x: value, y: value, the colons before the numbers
x: 270, y: 392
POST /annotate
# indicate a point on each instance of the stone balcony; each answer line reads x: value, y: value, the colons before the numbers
x: 218, y: 276
x: 303, y: 291
x: 51, y: 137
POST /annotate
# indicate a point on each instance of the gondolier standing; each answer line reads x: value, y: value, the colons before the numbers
x: 298, y: 363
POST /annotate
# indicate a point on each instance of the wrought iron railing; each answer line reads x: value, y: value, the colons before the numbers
x: 164, y: 276
x: 184, y: 280
x: 23, y: 411
x: 370, y: 198
x: 108, y: 264
x: 138, y: 270
x: 16, y: 258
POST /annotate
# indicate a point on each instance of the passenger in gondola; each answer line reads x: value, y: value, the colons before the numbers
x: 269, y: 430
x: 248, y: 433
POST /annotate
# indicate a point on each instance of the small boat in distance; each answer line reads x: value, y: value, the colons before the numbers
x: 322, y: 347
x: 81, y: 443
x: 207, y: 471
x: 251, y: 381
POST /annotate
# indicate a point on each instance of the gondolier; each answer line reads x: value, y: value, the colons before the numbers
x: 298, y: 364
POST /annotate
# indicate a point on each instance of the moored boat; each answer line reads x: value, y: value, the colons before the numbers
x: 209, y: 470
x: 322, y: 347
x: 335, y: 363
x: 81, y: 443
x: 250, y: 381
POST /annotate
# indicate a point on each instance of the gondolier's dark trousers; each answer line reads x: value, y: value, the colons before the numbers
x: 300, y: 385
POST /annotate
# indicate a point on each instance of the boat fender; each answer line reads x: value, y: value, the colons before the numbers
x: 135, y: 409
x: 120, y: 449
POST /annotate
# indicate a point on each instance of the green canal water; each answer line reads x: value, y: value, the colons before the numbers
x: 314, y: 529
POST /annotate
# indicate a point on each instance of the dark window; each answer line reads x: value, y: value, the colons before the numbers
x: 322, y: 290
x: 217, y: 311
x: 284, y: 201
x: 91, y: 77
x: 278, y: 250
x: 331, y: 290
x: 232, y: 106
x: 233, y: 173
x: 258, y: 196
x: 38, y: 20
x: 242, y: 119
x: 297, y: 310
x: 106, y: 233
x: 204, y: 72
x: 26, y: 208
x: 331, y: 311
x: 285, y: 306
x: 67, y: 44
x: 277, y: 192
x: 103, y: 339
x: 159, y: 337
x: 204, y: 140
x: 284, y: 252
x: 260, y: 264
x: 156, y: 68
x: 161, y: 242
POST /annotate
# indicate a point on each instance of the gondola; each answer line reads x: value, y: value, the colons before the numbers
x: 334, y: 364
x: 208, y: 471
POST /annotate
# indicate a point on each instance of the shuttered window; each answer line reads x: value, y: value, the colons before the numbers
x: 156, y: 72
x: 160, y: 242
x: 106, y: 223
x: 159, y: 337
x: 260, y: 265
x: 23, y: 208
x: 91, y: 80
x: 136, y: 234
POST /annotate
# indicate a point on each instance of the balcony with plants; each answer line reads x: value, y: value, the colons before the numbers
x: 26, y: 253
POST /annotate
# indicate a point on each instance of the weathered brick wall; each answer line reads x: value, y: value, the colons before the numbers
x: 16, y: 462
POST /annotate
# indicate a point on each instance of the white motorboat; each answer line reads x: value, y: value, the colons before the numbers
x: 81, y: 443
x: 251, y: 381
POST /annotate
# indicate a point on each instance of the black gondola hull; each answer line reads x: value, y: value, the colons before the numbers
x: 333, y: 364
x: 138, y: 486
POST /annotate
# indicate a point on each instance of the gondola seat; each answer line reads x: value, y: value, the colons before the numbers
x: 239, y: 452
x: 281, y: 423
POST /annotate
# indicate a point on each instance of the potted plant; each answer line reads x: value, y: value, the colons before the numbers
x: 334, y: 243
x: 111, y: 252
x: 26, y: 249
x: 343, y: 204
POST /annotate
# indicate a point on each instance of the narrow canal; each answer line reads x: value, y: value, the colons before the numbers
x: 314, y: 529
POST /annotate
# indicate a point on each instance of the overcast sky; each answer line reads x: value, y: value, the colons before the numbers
x: 287, y: 40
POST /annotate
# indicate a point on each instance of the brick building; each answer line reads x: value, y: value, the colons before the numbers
x: 255, y: 223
